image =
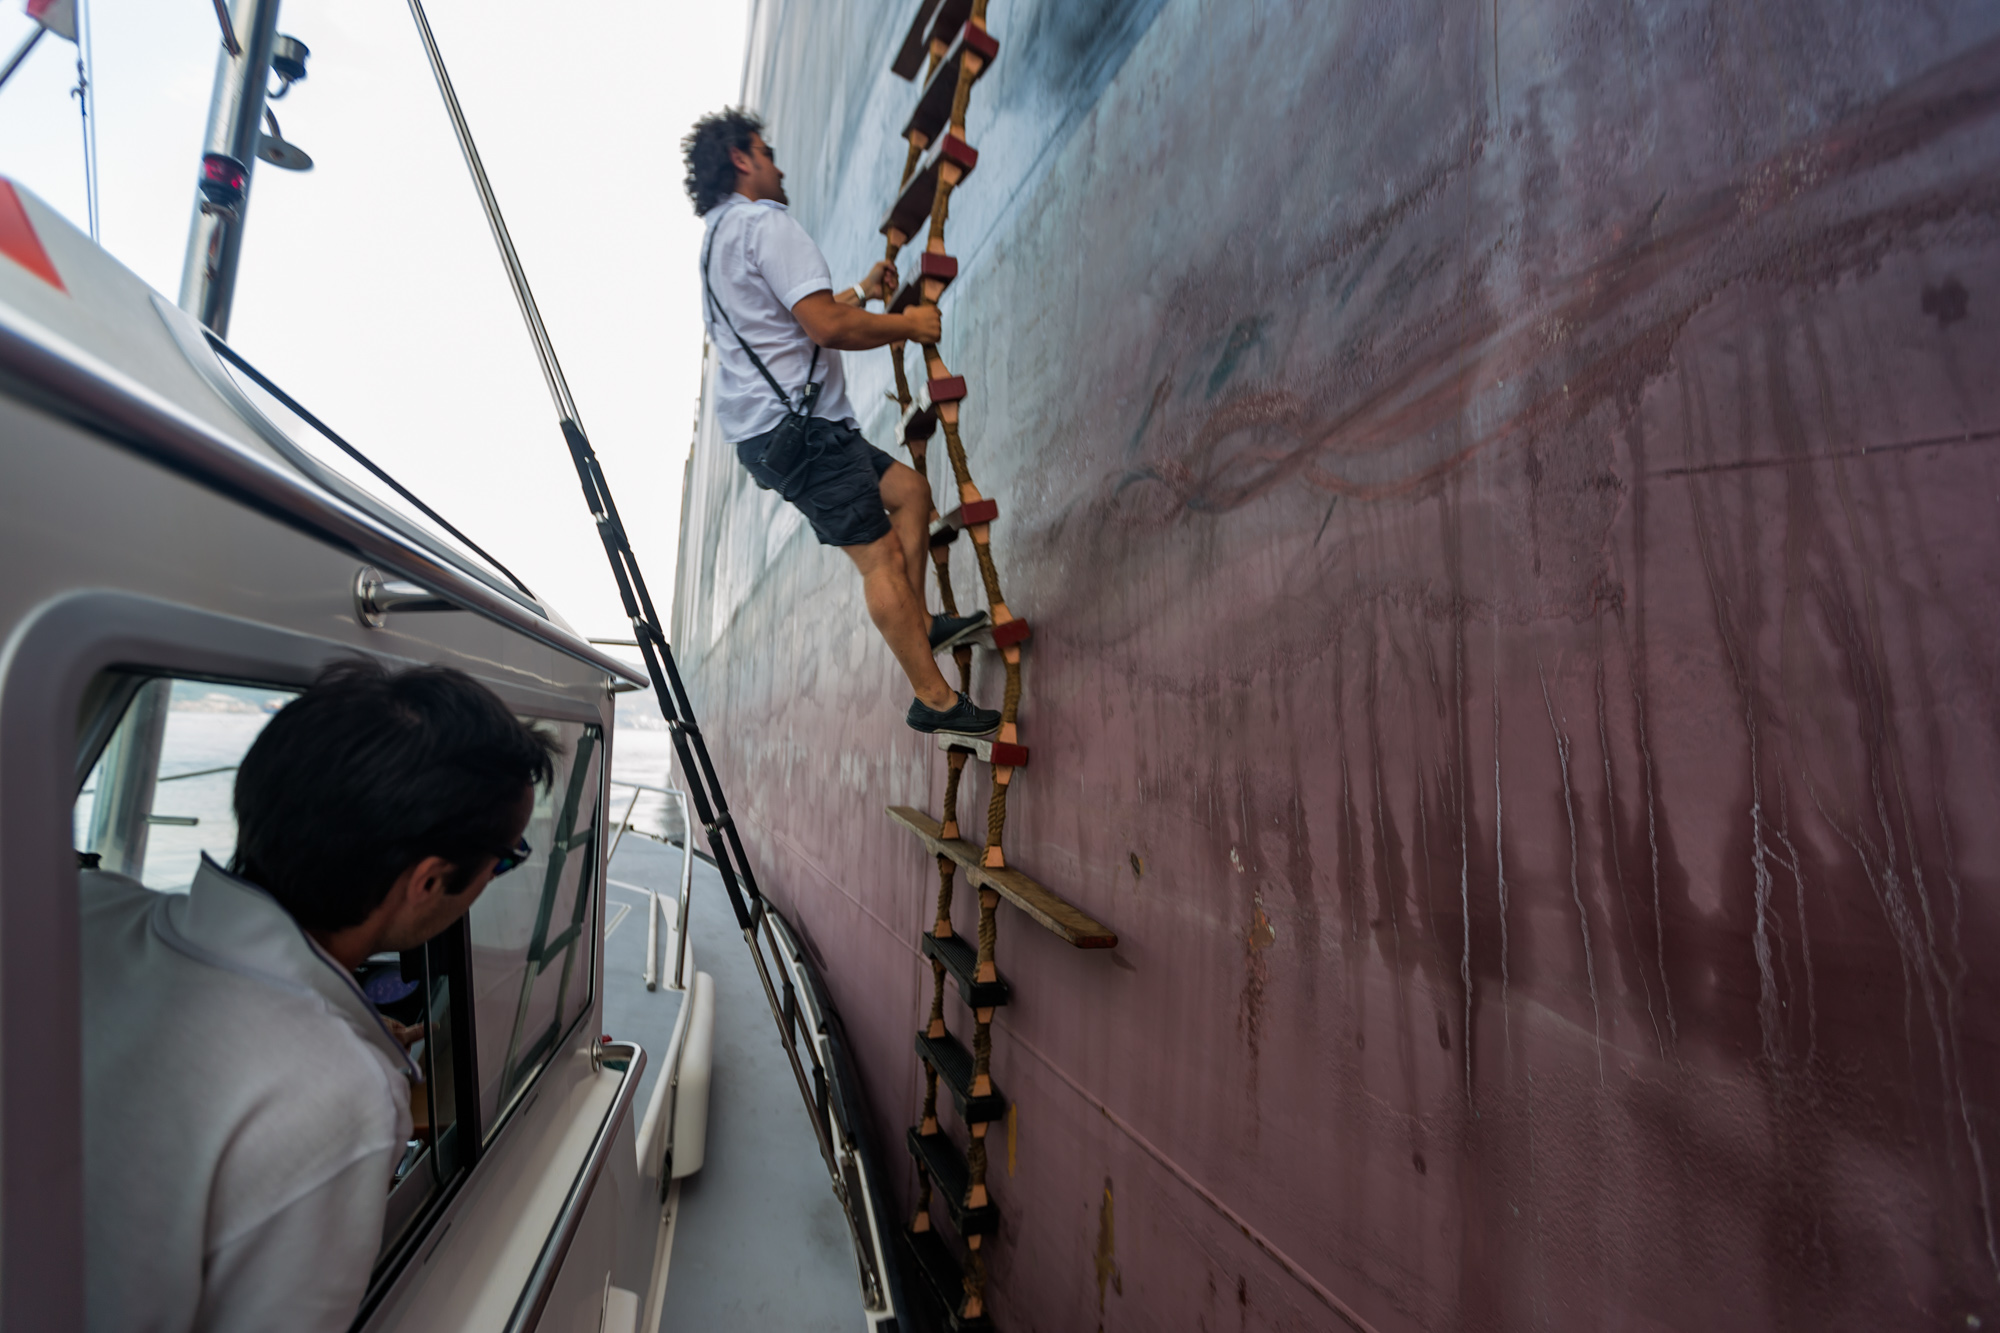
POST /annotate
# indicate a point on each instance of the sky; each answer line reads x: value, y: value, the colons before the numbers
x: 370, y: 288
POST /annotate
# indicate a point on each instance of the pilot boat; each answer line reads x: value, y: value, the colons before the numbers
x: 188, y: 547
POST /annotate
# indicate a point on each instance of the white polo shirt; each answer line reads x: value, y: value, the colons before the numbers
x: 761, y: 263
x: 244, y: 1109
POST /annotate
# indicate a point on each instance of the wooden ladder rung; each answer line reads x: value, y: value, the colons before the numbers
x: 919, y: 419
x: 950, y: 17
x: 953, y: 1182
x: 913, y: 205
x: 945, y: 529
x: 932, y: 274
x: 934, y: 103
x: 1006, y: 754
x: 946, y: 1279
x: 910, y: 55
x: 1003, y: 636
x: 953, y: 1063
x: 962, y: 961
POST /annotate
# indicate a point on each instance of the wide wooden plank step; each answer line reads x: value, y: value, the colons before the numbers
x: 961, y: 959
x: 946, y: 527
x: 934, y: 103
x: 1045, y: 907
x: 913, y: 205
x: 953, y: 1180
x: 954, y: 1069
x: 987, y: 750
x: 942, y: 1274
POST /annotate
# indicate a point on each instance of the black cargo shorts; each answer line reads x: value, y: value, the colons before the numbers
x: 837, y: 486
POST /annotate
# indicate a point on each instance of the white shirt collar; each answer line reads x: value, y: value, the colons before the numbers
x: 232, y: 924
x: 739, y: 198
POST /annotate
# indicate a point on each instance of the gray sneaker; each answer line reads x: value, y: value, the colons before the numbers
x: 964, y: 718
x: 950, y: 631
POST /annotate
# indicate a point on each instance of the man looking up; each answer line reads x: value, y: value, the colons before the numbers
x: 244, y: 1105
x: 778, y: 330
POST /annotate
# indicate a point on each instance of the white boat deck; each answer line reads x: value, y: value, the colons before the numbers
x: 759, y: 1241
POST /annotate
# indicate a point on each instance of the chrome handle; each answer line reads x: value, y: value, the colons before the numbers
x: 376, y: 596
x: 542, y: 1279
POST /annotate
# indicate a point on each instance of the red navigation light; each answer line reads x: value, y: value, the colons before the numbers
x: 222, y: 180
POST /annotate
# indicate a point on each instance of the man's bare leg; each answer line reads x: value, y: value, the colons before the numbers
x: 898, y: 612
x: 907, y: 497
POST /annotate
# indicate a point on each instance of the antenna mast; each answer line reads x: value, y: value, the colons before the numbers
x: 235, y: 117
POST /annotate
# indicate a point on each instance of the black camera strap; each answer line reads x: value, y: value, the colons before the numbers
x: 807, y: 396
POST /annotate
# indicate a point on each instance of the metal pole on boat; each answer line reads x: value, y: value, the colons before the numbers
x: 20, y: 54
x: 222, y: 194
x: 738, y: 881
x: 687, y: 884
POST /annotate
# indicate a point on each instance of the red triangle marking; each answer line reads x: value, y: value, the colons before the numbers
x: 18, y: 240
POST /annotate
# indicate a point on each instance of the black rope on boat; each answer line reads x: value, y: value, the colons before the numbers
x: 229, y: 354
x: 705, y: 789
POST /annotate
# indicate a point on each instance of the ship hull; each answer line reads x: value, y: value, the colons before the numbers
x: 1506, y: 500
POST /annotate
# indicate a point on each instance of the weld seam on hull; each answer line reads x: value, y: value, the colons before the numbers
x: 1234, y: 1218
x: 814, y: 866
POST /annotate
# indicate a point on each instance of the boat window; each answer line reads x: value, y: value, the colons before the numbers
x: 414, y: 989
x: 161, y: 793
x: 162, y: 755
x: 531, y: 940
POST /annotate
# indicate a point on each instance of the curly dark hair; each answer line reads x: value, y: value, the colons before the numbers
x: 711, y: 176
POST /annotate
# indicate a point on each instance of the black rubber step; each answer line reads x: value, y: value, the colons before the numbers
x: 934, y: 103
x: 953, y: 1180
x: 962, y: 961
x: 954, y: 1068
x: 945, y: 1278
x: 913, y: 205
x: 910, y: 55
x: 911, y: 287
x: 951, y: 16
x: 920, y: 419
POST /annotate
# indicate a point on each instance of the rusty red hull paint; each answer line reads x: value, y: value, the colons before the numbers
x: 1507, y: 498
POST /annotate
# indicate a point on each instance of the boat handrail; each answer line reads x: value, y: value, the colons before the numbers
x: 46, y: 369
x: 541, y: 1282
x: 653, y: 908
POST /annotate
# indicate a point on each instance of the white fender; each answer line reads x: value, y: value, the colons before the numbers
x: 657, y: 1126
x: 690, y: 1128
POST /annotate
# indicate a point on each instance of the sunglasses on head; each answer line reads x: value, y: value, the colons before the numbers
x: 508, y: 860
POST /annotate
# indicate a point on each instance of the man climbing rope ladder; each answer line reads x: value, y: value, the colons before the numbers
x: 774, y: 321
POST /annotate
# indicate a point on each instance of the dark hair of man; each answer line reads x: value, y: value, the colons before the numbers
x: 711, y: 175
x: 370, y: 771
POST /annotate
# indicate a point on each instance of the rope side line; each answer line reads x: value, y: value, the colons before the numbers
x: 972, y: 1302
